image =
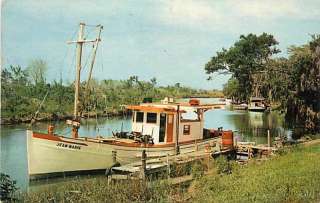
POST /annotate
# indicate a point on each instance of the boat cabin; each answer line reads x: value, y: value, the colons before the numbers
x: 166, y: 121
x: 257, y: 101
x: 257, y: 104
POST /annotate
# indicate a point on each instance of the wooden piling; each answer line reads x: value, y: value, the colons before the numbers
x: 143, y: 165
x: 168, y: 166
x: 269, y: 139
x: 114, y: 157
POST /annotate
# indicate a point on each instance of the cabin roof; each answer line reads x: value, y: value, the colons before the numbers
x: 153, y: 109
x: 171, y: 107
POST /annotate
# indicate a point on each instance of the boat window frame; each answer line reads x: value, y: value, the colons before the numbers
x: 138, y: 119
x: 152, y: 121
x: 133, y: 116
x: 186, y: 129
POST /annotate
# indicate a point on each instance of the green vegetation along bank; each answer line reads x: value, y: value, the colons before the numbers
x: 290, y: 176
x: 25, y: 94
x: 291, y: 82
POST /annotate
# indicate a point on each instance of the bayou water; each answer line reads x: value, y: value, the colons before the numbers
x: 249, y: 126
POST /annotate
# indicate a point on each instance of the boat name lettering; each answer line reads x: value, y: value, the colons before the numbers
x: 68, y: 146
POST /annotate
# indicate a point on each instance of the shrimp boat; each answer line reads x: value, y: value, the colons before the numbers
x: 161, y: 129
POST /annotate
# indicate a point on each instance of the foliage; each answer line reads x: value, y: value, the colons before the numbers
x: 291, y: 83
x: 223, y: 165
x: 7, y: 188
x: 303, y: 104
x: 247, y: 56
x: 177, y: 170
x: 231, y: 89
x: 292, y: 177
x: 100, y: 190
x: 22, y: 92
x: 197, y: 170
x: 37, y: 69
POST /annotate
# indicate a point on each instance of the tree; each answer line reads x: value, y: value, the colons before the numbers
x: 275, y: 80
x: 153, y: 81
x: 37, y: 70
x: 247, y: 56
x: 303, y: 106
x: 231, y: 88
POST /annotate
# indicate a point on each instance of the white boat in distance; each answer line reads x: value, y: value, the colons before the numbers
x: 257, y: 104
x: 161, y: 129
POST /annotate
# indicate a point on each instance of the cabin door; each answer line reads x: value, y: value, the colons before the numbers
x: 170, y: 128
x: 162, y: 130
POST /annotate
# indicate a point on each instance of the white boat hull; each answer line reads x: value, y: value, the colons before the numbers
x: 257, y: 109
x: 50, y: 155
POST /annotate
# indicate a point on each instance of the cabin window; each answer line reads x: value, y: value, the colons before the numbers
x: 133, y: 115
x: 139, y: 117
x: 186, y: 129
x: 151, y: 117
x: 190, y: 116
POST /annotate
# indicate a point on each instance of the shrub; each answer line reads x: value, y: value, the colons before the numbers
x: 223, y: 165
x: 197, y: 170
x: 7, y: 187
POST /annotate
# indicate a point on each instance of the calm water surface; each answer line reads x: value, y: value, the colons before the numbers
x: 249, y: 126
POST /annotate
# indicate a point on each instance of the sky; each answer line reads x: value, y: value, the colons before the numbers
x: 171, y: 40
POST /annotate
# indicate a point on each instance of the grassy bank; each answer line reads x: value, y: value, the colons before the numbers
x: 290, y: 176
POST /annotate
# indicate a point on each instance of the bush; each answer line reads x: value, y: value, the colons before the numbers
x: 7, y: 187
x: 99, y: 190
x: 223, y: 165
x: 197, y: 170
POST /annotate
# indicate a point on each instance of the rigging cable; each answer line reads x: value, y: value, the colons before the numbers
x: 37, y: 112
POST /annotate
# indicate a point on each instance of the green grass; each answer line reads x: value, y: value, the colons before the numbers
x: 98, y: 190
x: 292, y: 177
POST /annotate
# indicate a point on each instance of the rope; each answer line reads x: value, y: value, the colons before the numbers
x: 101, y: 54
x: 86, y: 62
x: 38, y: 110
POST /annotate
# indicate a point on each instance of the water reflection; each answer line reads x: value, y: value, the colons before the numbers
x: 249, y: 126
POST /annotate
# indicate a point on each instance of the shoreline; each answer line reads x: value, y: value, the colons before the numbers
x: 45, y: 117
x: 206, y: 182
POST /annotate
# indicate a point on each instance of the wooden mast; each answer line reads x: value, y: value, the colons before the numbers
x: 75, y: 123
x: 78, y: 70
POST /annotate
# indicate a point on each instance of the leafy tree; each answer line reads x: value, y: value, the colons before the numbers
x: 37, y: 70
x: 303, y: 106
x: 247, y: 56
x: 275, y: 80
x: 153, y: 81
x: 231, y: 89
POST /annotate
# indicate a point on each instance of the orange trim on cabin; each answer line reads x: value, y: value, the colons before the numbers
x: 153, y: 109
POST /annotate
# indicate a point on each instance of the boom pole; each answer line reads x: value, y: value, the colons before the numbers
x: 94, y: 55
